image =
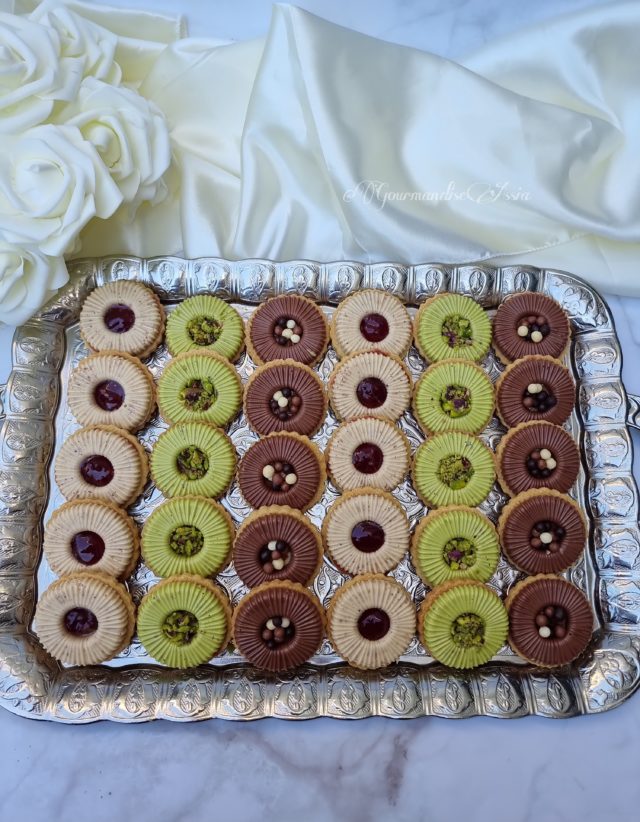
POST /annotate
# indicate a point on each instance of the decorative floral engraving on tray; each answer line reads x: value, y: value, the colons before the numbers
x: 130, y: 689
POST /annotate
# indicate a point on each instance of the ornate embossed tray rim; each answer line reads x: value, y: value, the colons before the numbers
x: 33, y: 685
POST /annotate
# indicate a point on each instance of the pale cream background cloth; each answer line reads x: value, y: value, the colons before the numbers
x: 323, y: 143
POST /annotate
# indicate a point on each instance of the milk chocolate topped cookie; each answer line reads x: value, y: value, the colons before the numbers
x: 550, y: 621
x: 285, y: 396
x: 542, y: 531
x: 535, y: 388
x: 530, y: 323
x: 282, y: 469
x: 537, y: 455
x: 287, y: 327
x: 278, y: 626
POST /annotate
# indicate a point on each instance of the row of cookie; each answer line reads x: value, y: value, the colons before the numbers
x: 183, y: 621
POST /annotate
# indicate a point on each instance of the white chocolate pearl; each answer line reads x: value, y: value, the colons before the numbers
x: 272, y: 545
x: 545, y: 454
x: 270, y: 625
x: 288, y: 333
x: 523, y: 330
x: 283, y: 402
x: 532, y: 388
x: 544, y: 631
x: 551, y: 463
x: 285, y: 622
x: 291, y: 323
x: 546, y: 537
x: 295, y: 338
x: 291, y: 479
x: 268, y: 471
x: 536, y: 337
x: 277, y: 395
x: 278, y: 564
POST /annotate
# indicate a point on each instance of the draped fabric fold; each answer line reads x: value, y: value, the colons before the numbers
x: 322, y: 143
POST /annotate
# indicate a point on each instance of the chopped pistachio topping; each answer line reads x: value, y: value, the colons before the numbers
x: 459, y: 553
x: 180, y: 627
x: 467, y: 631
x: 455, y: 401
x: 186, y: 540
x: 193, y: 463
x: 204, y: 330
x: 455, y: 471
x: 199, y: 395
x: 456, y: 331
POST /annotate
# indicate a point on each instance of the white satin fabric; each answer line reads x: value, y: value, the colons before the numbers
x: 323, y: 143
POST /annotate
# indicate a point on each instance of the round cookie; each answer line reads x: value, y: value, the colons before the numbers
x: 193, y: 459
x: 199, y: 386
x: 463, y: 624
x: 124, y: 316
x: 285, y: 396
x: 205, y: 323
x: 287, y: 327
x: 453, y: 395
x: 550, y: 621
x: 366, y: 532
x: 276, y: 543
x: 537, y: 455
x: 455, y: 543
x: 184, y: 621
x: 453, y: 469
x: 542, y: 531
x: 452, y: 326
x: 110, y: 388
x: 91, y: 535
x: 372, y: 621
x: 282, y: 469
x: 530, y: 323
x: 187, y: 535
x: 101, y: 462
x: 535, y: 388
x: 278, y: 626
x: 85, y: 618
x: 370, y: 320
x: 367, y: 452
x: 370, y: 384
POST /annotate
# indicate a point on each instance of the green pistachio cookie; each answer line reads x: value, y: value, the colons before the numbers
x: 455, y: 543
x: 452, y: 326
x: 187, y: 535
x: 453, y: 395
x: 199, y: 386
x: 463, y: 624
x: 184, y: 621
x: 205, y: 322
x: 193, y: 458
x: 453, y: 469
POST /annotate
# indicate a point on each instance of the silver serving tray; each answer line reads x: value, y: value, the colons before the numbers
x: 133, y: 689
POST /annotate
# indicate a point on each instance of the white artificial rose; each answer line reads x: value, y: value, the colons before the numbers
x: 83, y: 39
x: 33, y: 73
x: 28, y: 279
x: 130, y: 135
x: 52, y: 182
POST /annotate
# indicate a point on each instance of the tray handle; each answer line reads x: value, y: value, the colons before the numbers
x: 633, y: 410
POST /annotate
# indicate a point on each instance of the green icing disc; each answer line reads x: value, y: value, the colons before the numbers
x: 207, y: 323
x: 452, y: 326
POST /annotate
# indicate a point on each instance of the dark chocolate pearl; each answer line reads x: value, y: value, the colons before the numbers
x: 549, y: 611
x: 559, y: 632
x: 367, y: 458
x: 119, y: 318
x: 367, y: 536
x: 541, y: 620
x: 87, y: 547
x: 371, y: 392
x: 374, y: 327
x: 373, y: 624
x: 80, y: 621
x: 109, y: 395
x: 96, y: 470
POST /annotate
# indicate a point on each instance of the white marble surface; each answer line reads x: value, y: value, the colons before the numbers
x: 427, y: 769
